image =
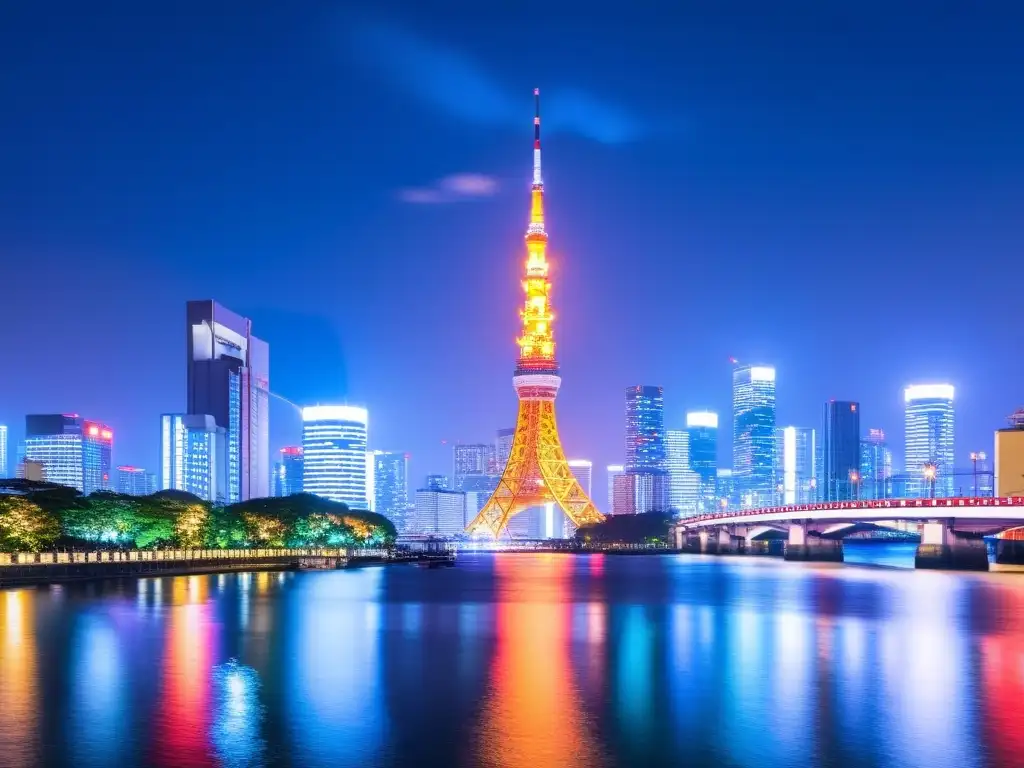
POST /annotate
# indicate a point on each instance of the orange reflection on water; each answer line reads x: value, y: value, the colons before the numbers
x: 533, y: 715
x: 1002, y: 676
x: 17, y: 679
x: 183, y: 718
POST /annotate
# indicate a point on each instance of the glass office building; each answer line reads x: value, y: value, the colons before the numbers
x: 753, y: 435
x: 288, y: 471
x: 702, y: 431
x: 334, y: 454
x: 72, y: 451
x: 929, y: 446
x: 391, y: 486
x: 228, y: 378
x: 194, y: 456
x: 796, y: 455
x: 840, y: 451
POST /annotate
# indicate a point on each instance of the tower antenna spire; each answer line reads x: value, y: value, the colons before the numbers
x: 537, y: 180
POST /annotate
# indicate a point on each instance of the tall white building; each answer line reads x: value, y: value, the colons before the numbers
x: 796, y: 457
x: 583, y: 471
x: 753, y: 435
x: 334, y: 453
x: 928, y: 440
x: 683, y: 482
x: 613, y: 470
x: 3, y: 450
x: 194, y: 456
x: 439, y: 513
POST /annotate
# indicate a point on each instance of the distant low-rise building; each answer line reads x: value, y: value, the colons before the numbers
x: 439, y: 512
x: 135, y: 481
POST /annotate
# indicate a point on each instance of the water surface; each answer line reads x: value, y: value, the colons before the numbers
x: 520, y: 660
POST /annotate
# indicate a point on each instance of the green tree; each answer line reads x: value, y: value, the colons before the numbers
x: 25, y: 526
x: 225, y: 529
x: 647, y: 528
x: 103, y: 516
x: 191, y: 524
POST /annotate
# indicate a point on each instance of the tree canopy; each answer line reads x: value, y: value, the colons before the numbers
x: 43, y: 513
x: 647, y: 528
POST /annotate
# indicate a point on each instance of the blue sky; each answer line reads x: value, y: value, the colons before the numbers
x: 836, y: 191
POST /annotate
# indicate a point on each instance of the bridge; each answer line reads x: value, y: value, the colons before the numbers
x: 952, y: 529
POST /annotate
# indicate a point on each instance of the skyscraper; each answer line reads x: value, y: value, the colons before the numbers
x: 135, y: 481
x: 796, y: 456
x: 334, y: 453
x: 613, y: 471
x: 391, y: 486
x: 645, y: 429
x: 194, y: 456
x: 875, y: 466
x: 702, y: 431
x: 229, y: 379
x: 288, y: 471
x: 928, y: 446
x: 3, y: 450
x: 840, y: 451
x: 73, y: 451
x: 645, y: 447
x: 753, y: 434
x: 683, y: 482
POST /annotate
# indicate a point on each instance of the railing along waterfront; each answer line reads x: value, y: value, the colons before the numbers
x: 184, y: 555
x: 874, y: 504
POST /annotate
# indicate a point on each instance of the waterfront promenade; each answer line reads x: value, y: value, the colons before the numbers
x: 21, y: 568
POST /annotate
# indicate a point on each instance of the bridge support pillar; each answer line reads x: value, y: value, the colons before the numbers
x: 721, y: 542
x: 806, y: 546
x: 943, y: 548
x: 1009, y: 552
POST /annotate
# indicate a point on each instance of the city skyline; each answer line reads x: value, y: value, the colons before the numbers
x: 727, y: 206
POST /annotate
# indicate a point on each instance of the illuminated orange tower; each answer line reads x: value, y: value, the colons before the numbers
x: 537, y: 472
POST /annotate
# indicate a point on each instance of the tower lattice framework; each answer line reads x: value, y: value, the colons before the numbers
x: 537, y: 471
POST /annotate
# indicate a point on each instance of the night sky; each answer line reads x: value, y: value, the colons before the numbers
x: 838, y: 191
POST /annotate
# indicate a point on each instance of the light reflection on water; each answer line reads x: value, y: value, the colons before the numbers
x: 521, y: 660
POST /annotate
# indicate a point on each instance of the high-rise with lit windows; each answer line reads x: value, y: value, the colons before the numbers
x: 194, y: 456
x: 683, y: 483
x: 645, y: 448
x: 334, y: 453
x: 928, y: 446
x: 702, y: 437
x: 3, y: 450
x: 796, y: 454
x: 135, y: 481
x: 73, y: 451
x: 288, y: 471
x: 229, y: 379
x: 840, y: 451
x: 391, y: 486
x: 753, y: 434
x: 875, y: 466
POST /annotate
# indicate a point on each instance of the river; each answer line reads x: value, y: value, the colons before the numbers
x: 521, y: 661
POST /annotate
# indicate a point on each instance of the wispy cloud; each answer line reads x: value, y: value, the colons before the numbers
x: 452, y: 189
x: 446, y: 79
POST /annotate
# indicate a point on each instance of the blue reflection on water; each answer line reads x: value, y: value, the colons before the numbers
x: 238, y: 714
x: 522, y: 660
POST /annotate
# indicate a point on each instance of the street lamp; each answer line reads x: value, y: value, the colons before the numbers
x: 929, y: 471
x: 855, y: 480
